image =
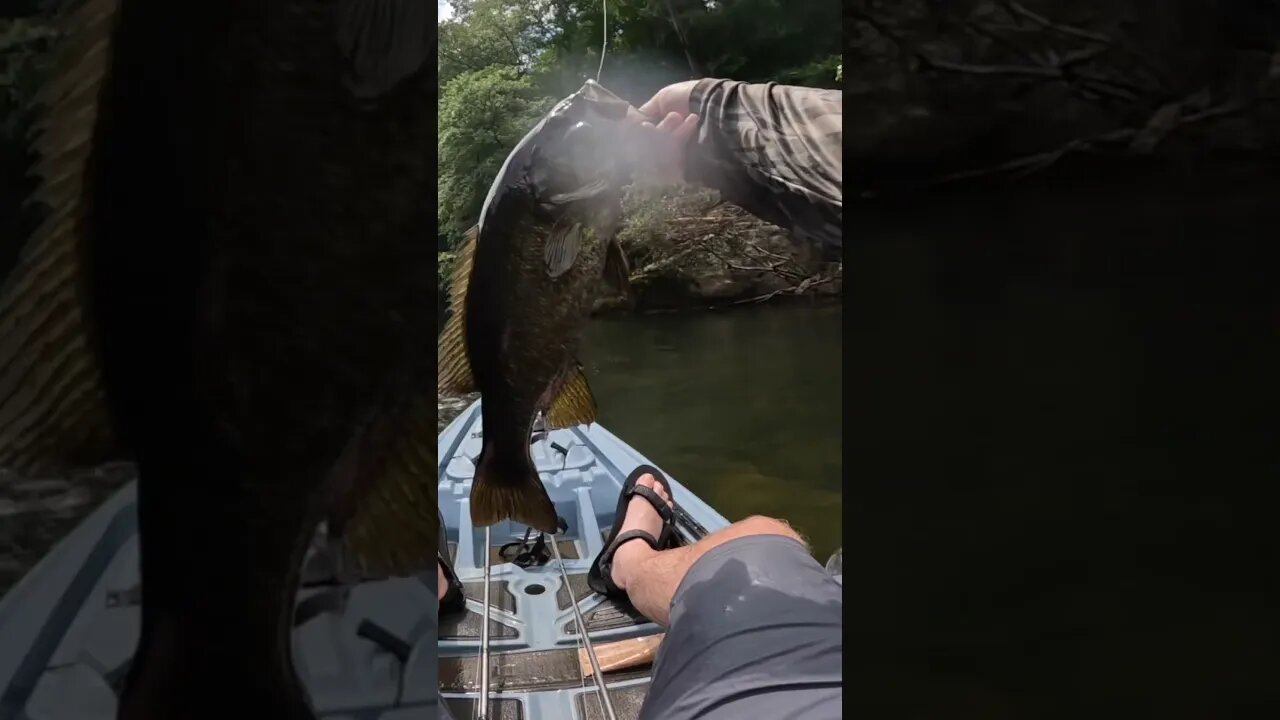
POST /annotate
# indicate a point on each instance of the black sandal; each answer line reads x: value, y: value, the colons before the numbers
x: 453, y: 601
x: 600, y: 577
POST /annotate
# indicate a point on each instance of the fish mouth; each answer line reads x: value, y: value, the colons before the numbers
x: 598, y: 99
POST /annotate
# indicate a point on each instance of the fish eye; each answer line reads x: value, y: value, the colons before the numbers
x: 580, y: 138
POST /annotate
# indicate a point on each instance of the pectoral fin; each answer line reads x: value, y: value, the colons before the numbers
x: 394, y: 528
x: 573, y: 404
x: 562, y: 249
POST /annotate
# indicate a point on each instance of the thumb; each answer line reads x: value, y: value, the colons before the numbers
x: 652, y: 108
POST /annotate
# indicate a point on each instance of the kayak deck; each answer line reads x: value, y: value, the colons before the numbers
x: 534, y: 643
x: 69, y: 627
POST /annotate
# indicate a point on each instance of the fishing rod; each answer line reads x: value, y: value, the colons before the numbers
x: 596, y: 675
x: 484, y: 633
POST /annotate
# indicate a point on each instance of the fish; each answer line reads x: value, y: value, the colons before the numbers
x: 522, y: 289
x: 227, y: 289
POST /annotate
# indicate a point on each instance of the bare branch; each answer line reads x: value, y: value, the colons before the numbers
x: 1031, y: 163
x: 1018, y: 70
x: 1149, y: 65
x: 807, y: 284
x: 1017, y: 9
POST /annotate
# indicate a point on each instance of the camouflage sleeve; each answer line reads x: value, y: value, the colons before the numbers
x: 773, y: 149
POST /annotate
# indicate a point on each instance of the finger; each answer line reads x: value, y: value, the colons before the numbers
x: 670, y: 122
x: 688, y: 128
x: 652, y: 109
x: 636, y: 116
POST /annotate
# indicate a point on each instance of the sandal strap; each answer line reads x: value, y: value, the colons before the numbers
x: 664, y: 510
x: 627, y: 537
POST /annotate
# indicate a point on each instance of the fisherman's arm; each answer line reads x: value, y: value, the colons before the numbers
x: 775, y: 150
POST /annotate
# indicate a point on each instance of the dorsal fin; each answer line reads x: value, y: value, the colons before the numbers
x: 454, y: 365
x: 53, y: 410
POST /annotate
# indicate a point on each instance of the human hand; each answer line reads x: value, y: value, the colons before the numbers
x: 666, y: 126
x: 670, y: 99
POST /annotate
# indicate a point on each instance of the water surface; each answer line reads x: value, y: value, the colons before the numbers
x: 742, y: 406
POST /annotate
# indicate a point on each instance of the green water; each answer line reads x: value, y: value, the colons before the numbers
x: 741, y: 406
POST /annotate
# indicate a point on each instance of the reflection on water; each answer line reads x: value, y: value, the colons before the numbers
x: 741, y: 406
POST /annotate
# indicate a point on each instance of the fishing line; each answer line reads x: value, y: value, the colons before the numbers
x: 604, y: 36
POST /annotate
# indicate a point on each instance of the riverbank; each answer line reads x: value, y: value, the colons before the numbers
x: 688, y: 250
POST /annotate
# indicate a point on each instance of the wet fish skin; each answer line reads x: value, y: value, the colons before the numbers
x: 235, y: 249
x: 523, y: 290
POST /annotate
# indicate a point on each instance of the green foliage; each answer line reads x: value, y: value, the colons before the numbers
x: 486, y: 33
x: 815, y: 74
x: 445, y: 262
x: 505, y: 62
x: 483, y: 114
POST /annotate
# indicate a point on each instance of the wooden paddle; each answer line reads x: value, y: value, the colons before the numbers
x: 622, y: 654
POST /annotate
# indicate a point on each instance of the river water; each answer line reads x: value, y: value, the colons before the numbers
x: 742, y: 406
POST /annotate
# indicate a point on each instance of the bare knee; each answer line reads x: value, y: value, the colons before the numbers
x: 763, y: 525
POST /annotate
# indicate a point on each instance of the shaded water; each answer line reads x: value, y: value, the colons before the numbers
x: 1063, y: 434
x: 741, y: 406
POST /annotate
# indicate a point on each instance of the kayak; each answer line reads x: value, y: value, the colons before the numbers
x: 69, y: 627
x: 538, y: 666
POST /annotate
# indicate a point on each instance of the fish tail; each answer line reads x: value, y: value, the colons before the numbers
x: 505, y: 489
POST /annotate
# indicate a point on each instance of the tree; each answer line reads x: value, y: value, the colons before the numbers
x: 483, y: 114
x: 484, y: 33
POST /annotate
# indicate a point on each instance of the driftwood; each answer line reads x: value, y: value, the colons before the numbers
x: 622, y: 654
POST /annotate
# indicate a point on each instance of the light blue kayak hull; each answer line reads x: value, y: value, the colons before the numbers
x: 583, y: 469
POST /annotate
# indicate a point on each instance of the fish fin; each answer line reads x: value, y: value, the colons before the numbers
x: 495, y: 498
x: 394, y: 528
x: 454, y: 371
x: 53, y: 409
x: 384, y: 42
x: 616, y: 269
x: 574, y: 405
x: 562, y: 249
